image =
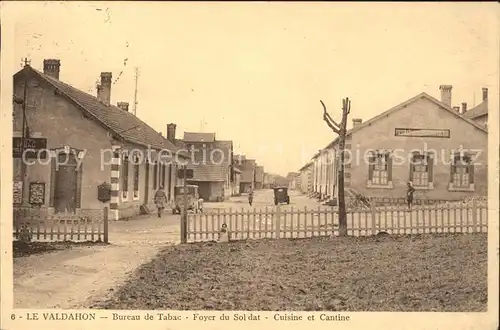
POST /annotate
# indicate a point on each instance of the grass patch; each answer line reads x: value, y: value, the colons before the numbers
x: 22, y: 249
x: 392, y: 273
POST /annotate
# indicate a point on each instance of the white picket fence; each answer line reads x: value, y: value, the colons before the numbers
x: 289, y: 222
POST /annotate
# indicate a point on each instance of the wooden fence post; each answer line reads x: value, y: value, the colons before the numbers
x: 105, y: 225
x: 374, y: 222
x: 474, y: 216
x: 278, y: 220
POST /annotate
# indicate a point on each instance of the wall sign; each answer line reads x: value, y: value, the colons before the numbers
x: 422, y: 132
x: 35, y: 145
x: 37, y: 193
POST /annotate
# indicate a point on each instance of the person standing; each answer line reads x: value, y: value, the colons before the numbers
x: 200, y: 204
x: 409, y: 195
x: 160, y: 200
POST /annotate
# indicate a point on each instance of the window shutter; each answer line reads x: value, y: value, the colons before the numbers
x: 471, y: 173
x: 79, y: 187
x: 430, y: 168
x: 389, y: 167
x: 452, y: 169
x: 370, y: 167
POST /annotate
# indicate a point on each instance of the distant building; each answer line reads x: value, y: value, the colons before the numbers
x: 479, y: 113
x: 247, y: 167
x: 267, y: 181
x: 94, y: 142
x: 259, y: 177
x: 306, y: 178
x: 211, y: 163
x: 236, y: 182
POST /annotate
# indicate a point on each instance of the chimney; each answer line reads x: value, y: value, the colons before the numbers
x: 104, y: 88
x: 446, y: 94
x: 464, y: 107
x: 171, y: 132
x: 122, y: 105
x: 356, y: 122
x: 457, y: 109
x: 485, y: 94
x: 51, y: 67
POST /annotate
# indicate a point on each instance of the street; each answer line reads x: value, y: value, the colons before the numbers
x: 75, y: 278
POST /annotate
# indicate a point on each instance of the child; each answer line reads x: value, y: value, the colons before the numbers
x: 250, y: 196
x: 409, y: 195
x: 200, y: 204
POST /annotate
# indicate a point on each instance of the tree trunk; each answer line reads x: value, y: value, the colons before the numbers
x: 342, y: 210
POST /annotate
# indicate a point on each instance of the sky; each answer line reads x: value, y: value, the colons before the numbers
x: 255, y: 73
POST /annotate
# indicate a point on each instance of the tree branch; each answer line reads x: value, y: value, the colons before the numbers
x: 335, y: 129
x: 327, y: 116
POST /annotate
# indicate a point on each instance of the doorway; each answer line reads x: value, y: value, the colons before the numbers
x: 65, y: 189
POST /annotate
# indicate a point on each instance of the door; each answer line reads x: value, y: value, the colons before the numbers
x: 146, y: 188
x: 65, y: 189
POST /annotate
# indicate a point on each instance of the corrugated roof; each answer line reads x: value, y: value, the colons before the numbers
x: 199, y: 137
x: 120, y: 122
x: 208, y: 173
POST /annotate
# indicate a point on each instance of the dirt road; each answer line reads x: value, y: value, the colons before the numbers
x: 75, y: 278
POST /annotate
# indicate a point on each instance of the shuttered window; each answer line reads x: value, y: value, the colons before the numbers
x: 155, y: 176
x: 125, y: 177
x: 462, y: 171
x: 380, y: 168
x: 136, y: 177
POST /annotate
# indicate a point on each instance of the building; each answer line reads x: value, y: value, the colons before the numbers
x: 267, y: 181
x: 236, y: 182
x: 259, y: 177
x: 306, y: 178
x: 211, y: 162
x: 83, y: 143
x: 479, y: 113
x: 247, y: 167
x: 293, y: 181
x: 422, y: 140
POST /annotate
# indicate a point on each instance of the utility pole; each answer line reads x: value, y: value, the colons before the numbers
x: 26, y: 63
x: 341, y: 130
x: 135, y: 91
x: 184, y: 208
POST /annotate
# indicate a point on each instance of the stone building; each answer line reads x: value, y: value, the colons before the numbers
x: 441, y: 149
x: 88, y: 142
x: 424, y: 141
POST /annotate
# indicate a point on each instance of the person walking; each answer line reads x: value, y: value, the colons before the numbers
x: 250, y: 196
x: 409, y: 195
x: 160, y: 200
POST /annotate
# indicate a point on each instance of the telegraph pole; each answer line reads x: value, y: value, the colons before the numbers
x: 135, y: 91
x: 26, y: 63
x: 341, y: 130
x: 184, y: 209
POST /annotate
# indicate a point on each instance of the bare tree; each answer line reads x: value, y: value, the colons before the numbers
x: 340, y: 129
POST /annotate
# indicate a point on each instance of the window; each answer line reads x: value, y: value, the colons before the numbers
x: 380, y: 169
x: 136, y: 177
x: 462, y: 172
x: 155, y: 176
x: 125, y: 178
x: 421, y: 168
